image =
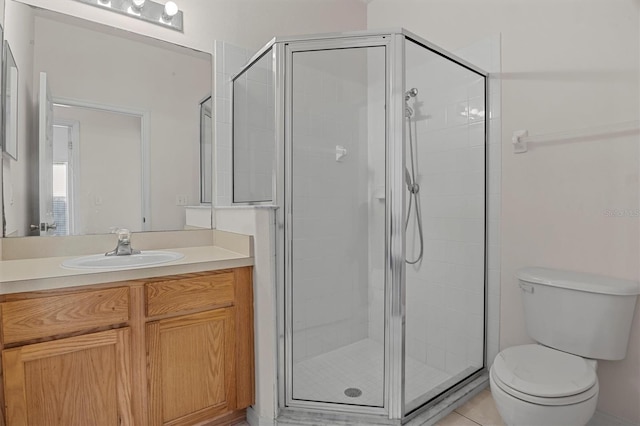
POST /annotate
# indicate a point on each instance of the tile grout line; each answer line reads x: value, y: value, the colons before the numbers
x: 456, y: 411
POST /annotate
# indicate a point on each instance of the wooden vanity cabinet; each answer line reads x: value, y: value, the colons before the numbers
x: 200, y: 359
x: 82, y: 380
x: 165, y: 351
x: 66, y: 358
x: 191, y: 367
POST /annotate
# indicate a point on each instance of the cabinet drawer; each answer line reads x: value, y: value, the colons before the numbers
x: 50, y: 316
x: 193, y: 293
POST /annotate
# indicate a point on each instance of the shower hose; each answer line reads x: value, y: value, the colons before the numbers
x: 414, y: 198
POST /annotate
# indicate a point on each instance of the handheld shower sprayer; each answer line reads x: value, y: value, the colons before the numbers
x: 410, y: 177
x: 411, y: 93
x: 412, y: 185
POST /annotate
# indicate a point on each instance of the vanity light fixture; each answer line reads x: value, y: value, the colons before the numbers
x: 166, y: 15
x: 170, y: 10
x: 136, y: 6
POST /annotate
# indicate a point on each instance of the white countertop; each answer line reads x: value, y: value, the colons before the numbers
x: 17, y: 276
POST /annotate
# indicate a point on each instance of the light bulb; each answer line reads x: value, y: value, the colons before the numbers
x: 138, y: 4
x: 170, y: 10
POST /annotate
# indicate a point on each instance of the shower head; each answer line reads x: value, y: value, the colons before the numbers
x: 411, y: 93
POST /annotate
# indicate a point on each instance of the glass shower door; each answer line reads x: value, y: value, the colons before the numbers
x: 336, y: 241
x: 445, y: 146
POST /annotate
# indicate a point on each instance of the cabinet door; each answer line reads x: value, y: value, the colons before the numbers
x: 191, y: 367
x: 83, y: 380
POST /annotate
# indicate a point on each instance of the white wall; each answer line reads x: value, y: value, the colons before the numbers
x: 248, y: 23
x: 566, y: 65
x: 259, y: 222
x: 228, y: 59
x: 18, y: 183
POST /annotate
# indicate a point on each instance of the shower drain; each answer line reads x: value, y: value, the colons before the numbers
x: 352, y: 392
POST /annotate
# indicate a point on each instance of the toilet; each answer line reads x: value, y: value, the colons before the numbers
x: 577, y: 319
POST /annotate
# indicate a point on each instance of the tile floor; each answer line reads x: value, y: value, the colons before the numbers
x: 480, y: 410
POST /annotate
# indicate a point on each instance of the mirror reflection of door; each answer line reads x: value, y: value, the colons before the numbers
x: 97, y: 152
x: 46, y: 225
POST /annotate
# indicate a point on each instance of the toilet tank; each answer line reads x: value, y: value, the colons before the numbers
x: 583, y: 314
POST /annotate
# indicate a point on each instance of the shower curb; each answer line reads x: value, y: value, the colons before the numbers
x: 425, y: 417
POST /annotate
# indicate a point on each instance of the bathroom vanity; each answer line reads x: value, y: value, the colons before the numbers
x: 166, y: 349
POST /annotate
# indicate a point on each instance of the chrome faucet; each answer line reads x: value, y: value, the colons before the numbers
x: 124, y: 244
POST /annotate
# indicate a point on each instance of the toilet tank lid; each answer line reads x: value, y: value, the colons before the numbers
x: 579, y: 281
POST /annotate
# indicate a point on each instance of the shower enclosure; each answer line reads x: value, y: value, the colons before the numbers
x: 372, y: 144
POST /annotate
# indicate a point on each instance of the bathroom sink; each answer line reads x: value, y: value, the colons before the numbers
x: 100, y: 261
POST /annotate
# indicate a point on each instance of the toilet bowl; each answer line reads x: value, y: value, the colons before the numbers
x: 534, y: 385
x: 576, y: 318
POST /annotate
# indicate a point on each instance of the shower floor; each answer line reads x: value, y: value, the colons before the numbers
x: 358, y: 365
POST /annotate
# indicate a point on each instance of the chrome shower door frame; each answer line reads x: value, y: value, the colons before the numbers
x: 394, y: 237
x: 394, y: 410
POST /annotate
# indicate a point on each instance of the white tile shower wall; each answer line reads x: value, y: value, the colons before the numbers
x: 255, y: 126
x: 254, y: 132
x: 430, y: 315
x: 445, y: 292
x: 452, y: 199
x: 330, y: 197
x: 228, y: 60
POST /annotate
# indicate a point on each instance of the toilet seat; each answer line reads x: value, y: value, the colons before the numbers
x: 544, y: 376
x: 558, y: 401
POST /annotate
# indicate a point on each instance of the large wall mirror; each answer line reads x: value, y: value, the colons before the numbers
x: 109, y: 128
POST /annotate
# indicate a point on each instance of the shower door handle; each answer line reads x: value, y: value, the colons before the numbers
x: 341, y: 152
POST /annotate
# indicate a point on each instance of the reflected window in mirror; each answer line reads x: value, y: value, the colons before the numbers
x: 66, y: 162
x: 61, y: 198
